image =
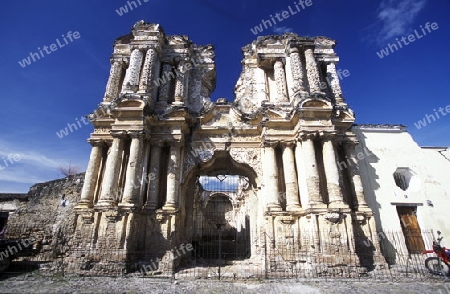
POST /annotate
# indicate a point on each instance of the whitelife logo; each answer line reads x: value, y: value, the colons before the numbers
x: 53, y: 47
x: 411, y: 38
x: 281, y: 16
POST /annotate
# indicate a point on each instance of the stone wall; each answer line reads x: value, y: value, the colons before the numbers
x: 47, y: 214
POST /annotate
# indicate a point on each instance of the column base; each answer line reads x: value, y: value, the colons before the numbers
x: 178, y: 103
x: 170, y: 207
x: 273, y: 207
x: 293, y: 208
x: 337, y: 205
x: 128, y: 205
x: 317, y: 205
x: 364, y: 207
x: 105, y: 203
x: 82, y: 205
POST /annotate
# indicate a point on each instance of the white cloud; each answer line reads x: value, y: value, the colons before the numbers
x: 281, y: 30
x: 397, y: 16
x: 21, y: 167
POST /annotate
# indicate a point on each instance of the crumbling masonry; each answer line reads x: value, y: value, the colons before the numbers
x: 157, y: 134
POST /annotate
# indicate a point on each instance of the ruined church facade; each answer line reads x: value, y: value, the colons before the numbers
x: 261, y: 174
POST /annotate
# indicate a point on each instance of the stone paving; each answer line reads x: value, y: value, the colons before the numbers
x: 39, y: 284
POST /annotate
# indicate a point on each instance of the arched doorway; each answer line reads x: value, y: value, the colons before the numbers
x: 217, y: 206
x: 221, y: 229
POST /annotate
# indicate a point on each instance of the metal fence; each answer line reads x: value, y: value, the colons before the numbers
x: 226, y: 257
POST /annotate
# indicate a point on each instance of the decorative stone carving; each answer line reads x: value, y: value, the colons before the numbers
x: 87, y: 217
x: 112, y: 88
x: 113, y: 216
x: 146, y: 82
x: 322, y: 41
x: 250, y: 156
x: 333, y: 79
x: 101, y: 131
x: 333, y: 217
x: 131, y: 80
x: 313, y: 73
x: 280, y: 79
x: 297, y: 70
x: 286, y: 220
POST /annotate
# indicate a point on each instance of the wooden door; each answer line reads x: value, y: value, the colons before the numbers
x: 411, y: 229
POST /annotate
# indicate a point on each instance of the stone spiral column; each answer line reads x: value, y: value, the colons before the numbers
x: 290, y: 178
x: 354, y: 173
x: 331, y: 172
x: 110, y: 183
x: 131, y: 80
x: 172, y: 177
x: 181, y: 82
x: 333, y: 81
x: 148, y: 70
x: 280, y: 80
x: 132, y: 187
x: 311, y: 170
x: 297, y: 70
x: 164, y: 90
x: 91, y: 176
x: 313, y: 73
x: 112, y: 87
x: 153, y: 188
x: 270, y: 175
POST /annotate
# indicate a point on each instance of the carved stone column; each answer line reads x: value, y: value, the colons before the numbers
x: 172, y: 178
x: 109, y: 191
x: 164, y: 90
x: 148, y: 70
x: 297, y: 71
x: 355, y: 176
x: 280, y: 80
x: 132, y: 187
x: 153, y: 188
x: 331, y: 172
x: 313, y: 73
x: 290, y: 178
x: 131, y: 80
x: 112, y: 87
x: 271, y: 179
x: 91, y: 176
x: 311, y: 170
x: 301, y: 174
x: 181, y: 83
x: 333, y: 80
x: 260, y: 85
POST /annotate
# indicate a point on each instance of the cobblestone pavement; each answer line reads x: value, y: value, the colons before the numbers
x: 33, y: 284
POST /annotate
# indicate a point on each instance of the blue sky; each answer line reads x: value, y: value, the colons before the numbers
x: 42, y: 98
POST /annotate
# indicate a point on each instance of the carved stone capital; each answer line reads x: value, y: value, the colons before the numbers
x: 288, y: 144
x: 334, y: 217
x: 87, y: 217
x: 286, y: 220
x: 113, y: 216
x: 327, y: 136
x: 272, y: 144
x: 96, y: 142
x: 136, y: 134
x: 118, y: 134
x: 304, y: 136
x: 361, y: 219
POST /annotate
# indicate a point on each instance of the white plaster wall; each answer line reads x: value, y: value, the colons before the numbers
x: 395, y: 148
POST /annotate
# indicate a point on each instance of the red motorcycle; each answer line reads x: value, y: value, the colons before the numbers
x: 440, y: 264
